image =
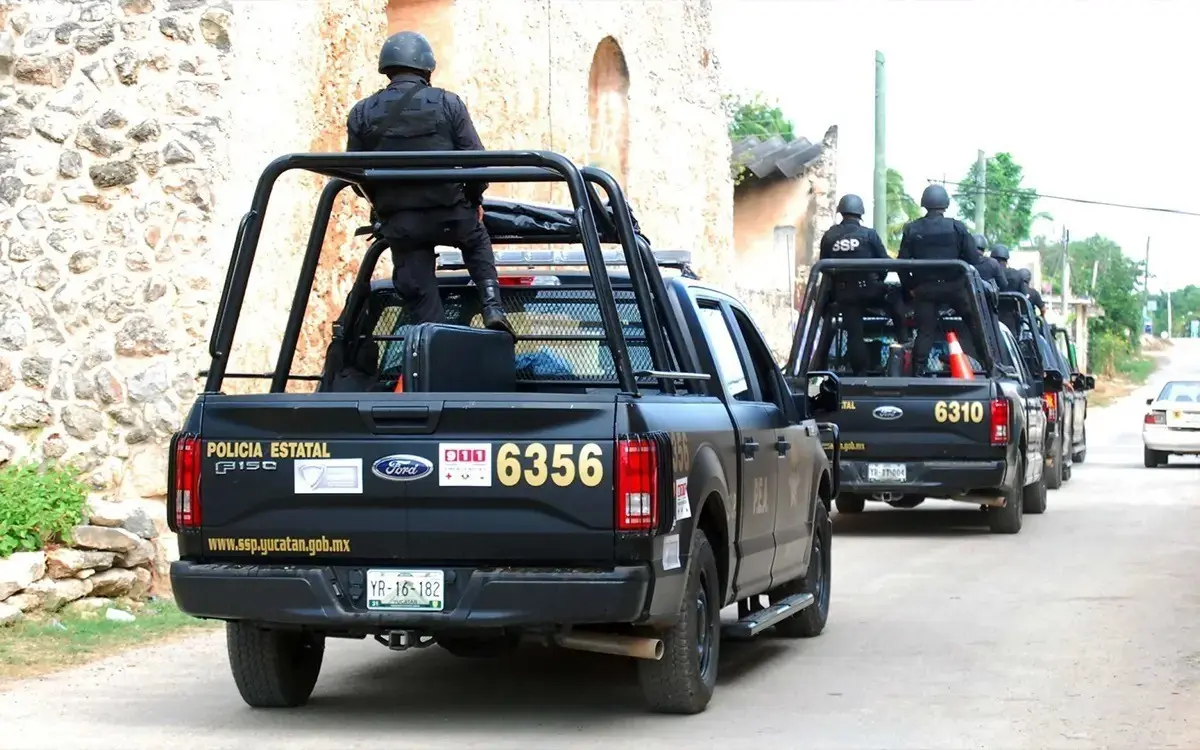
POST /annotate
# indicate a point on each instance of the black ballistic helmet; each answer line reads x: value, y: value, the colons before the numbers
x: 999, y: 252
x: 935, y: 198
x: 407, y: 49
x: 850, y: 205
x: 1026, y: 275
x: 980, y: 242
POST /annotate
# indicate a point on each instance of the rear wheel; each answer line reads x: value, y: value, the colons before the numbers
x: 817, y: 581
x: 1053, y: 475
x: 1007, y: 519
x: 851, y: 503
x: 682, y: 682
x: 273, y: 668
x: 1154, y: 458
x: 1081, y: 455
x: 908, y: 501
x: 1033, y: 498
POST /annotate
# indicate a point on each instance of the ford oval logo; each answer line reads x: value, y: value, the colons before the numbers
x: 888, y: 413
x: 402, y: 468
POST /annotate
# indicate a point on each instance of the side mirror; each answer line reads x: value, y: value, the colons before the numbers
x: 824, y: 393
x: 1149, y: 401
x: 1089, y: 382
x: 1053, y: 381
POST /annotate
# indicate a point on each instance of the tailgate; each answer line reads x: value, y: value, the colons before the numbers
x: 412, y: 477
x: 911, y: 419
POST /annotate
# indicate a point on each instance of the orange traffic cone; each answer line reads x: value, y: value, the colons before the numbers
x: 400, y: 384
x: 959, y: 366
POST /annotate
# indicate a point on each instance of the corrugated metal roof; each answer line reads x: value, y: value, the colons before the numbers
x: 775, y: 157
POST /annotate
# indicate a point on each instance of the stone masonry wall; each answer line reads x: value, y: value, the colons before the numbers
x: 132, y: 133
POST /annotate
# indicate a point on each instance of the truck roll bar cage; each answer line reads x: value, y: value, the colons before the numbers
x: 370, y: 169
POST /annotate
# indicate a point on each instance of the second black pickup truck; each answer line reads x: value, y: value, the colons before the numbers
x: 905, y: 439
x: 631, y: 465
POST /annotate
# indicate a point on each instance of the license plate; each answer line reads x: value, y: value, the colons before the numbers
x: 1183, y: 419
x: 406, y: 590
x: 887, y: 473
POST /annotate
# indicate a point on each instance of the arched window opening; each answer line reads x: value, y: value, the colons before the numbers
x: 608, y: 109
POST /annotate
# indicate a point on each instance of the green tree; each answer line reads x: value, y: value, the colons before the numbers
x: 1008, y: 213
x: 1185, y: 307
x: 901, y: 209
x: 753, y: 115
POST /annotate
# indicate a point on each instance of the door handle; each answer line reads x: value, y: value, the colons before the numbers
x: 749, y: 447
x: 782, y: 445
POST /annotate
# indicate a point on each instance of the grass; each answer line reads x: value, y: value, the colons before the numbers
x: 46, y: 643
x: 1131, y: 372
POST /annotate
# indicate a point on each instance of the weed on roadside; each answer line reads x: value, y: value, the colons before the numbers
x: 46, y: 643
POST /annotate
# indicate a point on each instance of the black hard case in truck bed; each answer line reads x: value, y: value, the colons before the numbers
x: 447, y: 358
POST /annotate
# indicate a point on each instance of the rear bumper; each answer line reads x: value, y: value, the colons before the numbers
x: 334, y: 598
x: 1167, y: 440
x: 929, y: 478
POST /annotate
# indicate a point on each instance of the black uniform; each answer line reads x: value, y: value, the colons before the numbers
x: 934, y: 237
x: 990, y: 270
x: 853, y: 293
x: 411, y: 115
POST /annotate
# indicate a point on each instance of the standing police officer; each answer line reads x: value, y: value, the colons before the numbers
x: 989, y: 268
x: 1034, y: 295
x: 410, y: 115
x: 934, y: 237
x: 1012, y: 283
x: 854, y: 292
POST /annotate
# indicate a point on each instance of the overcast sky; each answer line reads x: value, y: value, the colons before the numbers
x: 1098, y: 100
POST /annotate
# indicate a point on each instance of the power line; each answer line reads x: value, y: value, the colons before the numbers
x: 1036, y: 194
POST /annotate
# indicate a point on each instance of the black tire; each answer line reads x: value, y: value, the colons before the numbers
x: 1154, y: 459
x: 486, y: 647
x: 682, y: 682
x: 817, y: 581
x: 1033, y: 497
x: 1067, y: 470
x: 850, y: 503
x: 1053, y: 478
x: 273, y: 668
x: 1081, y: 455
x: 1007, y: 519
x: 908, y: 501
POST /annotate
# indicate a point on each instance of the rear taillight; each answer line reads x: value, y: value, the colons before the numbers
x: 1156, y: 417
x: 999, y: 421
x: 187, y: 482
x: 637, y: 485
x: 1050, y: 403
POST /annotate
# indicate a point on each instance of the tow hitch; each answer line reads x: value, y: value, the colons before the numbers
x: 403, y: 640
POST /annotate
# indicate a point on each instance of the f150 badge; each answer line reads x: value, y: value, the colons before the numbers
x: 402, y: 468
x: 888, y: 413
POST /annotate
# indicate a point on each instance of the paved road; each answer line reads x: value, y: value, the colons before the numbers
x: 1080, y: 632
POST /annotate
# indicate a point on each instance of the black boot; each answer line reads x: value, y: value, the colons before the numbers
x: 493, y: 312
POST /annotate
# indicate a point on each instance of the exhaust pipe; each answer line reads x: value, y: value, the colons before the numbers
x: 617, y: 645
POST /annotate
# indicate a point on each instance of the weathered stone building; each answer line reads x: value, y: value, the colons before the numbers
x: 133, y: 132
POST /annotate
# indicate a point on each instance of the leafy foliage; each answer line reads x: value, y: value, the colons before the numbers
x: 37, y: 505
x: 1008, y: 206
x: 1185, y: 307
x: 749, y: 115
x: 901, y: 209
x: 1116, y: 336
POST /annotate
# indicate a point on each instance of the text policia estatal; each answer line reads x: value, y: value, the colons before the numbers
x: 253, y: 449
x: 310, y: 547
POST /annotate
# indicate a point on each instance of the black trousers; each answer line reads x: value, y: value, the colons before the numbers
x: 413, y: 240
x: 852, y: 300
x: 927, y: 297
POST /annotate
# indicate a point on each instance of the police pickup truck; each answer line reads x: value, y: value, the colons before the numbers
x: 645, y: 466
x: 904, y: 439
x: 1079, y: 385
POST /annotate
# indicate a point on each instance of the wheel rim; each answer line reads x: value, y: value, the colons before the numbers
x: 821, y: 587
x: 706, y: 635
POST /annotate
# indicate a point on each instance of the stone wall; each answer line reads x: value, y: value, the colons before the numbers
x: 132, y: 133
x: 112, y: 557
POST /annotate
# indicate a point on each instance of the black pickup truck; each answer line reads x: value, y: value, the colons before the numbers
x: 645, y: 466
x: 904, y: 439
x: 1076, y: 390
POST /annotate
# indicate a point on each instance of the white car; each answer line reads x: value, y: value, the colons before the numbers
x: 1172, y: 423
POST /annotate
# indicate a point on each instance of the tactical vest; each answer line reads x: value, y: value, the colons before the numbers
x: 414, y: 122
x: 849, y: 241
x: 933, y: 238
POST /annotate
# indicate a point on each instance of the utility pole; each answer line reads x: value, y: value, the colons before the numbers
x: 1169, y: 321
x: 1066, y: 272
x: 980, y: 191
x: 1146, y: 287
x: 881, y: 210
